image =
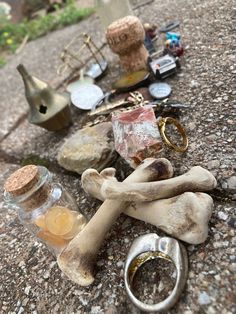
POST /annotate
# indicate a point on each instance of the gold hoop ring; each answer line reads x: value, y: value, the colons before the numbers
x: 162, y: 125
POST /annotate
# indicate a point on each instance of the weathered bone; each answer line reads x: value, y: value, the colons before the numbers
x: 92, y: 181
x: 185, y: 216
x: 195, y: 180
x: 78, y: 258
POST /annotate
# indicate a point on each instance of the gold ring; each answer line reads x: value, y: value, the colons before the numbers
x: 162, y: 124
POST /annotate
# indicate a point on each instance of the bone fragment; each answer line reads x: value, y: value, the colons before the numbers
x: 195, y: 180
x: 78, y: 258
x: 185, y: 216
x: 92, y: 181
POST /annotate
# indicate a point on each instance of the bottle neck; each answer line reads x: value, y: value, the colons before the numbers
x: 28, y: 79
x: 35, y: 197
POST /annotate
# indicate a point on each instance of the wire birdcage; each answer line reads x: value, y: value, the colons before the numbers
x: 81, y: 52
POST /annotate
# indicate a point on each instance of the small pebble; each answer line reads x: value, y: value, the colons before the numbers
x: 27, y: 289
x: 211, y: 310
x: 96, y: 310
x: 213, y: 164
x: 111, y: 310
x: 119, y: 264
x: 21, y: 310
x: 46, y: 275
x: 204, y: 298
x: 21, y: 264
x: 224, y: 185
x: 222, y: 244
x: 232, y: 267
x: 232, y: 222
x: 231, y: 182
x: 194, y: 83
x: 222, y: 215
x: 212, y: 272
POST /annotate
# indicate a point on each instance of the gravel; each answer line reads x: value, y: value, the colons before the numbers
x: 204, y: 298
x: 30, y: 279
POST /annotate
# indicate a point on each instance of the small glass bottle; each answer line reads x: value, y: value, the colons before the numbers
x: 112, y: 10
x: 44, y: 206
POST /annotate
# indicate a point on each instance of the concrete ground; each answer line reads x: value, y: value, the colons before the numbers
x: 30, y: 279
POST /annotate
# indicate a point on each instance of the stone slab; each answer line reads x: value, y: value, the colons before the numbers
x: 30, y: 278
x: 41, y: 58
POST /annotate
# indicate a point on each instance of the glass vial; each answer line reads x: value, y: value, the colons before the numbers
x: 46, y: 209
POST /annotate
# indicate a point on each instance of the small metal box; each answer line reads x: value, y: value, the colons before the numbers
x: 163, y: 66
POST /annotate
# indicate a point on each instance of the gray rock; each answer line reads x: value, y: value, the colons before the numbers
x: 120, y: 264
x: 231, y: 182
x: 46, y: 275
x: 91, y: 147
x: 232, y: 221
x: 27, y: 290
x: 24, y: 262
x: 222, y: 215
x: 194, y: 83
x: 224, y: 185
x: 111, y: 310
x: 204, y: 298
x: 232, y: 267
x: 192, y: 126
x: 213, y: 164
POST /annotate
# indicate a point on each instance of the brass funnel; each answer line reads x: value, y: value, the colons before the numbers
x: 48, y: 108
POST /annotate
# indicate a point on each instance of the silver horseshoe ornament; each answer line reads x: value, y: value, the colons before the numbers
x: 151, y: 246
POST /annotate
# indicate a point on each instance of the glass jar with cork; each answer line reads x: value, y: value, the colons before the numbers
x: 44, y: 206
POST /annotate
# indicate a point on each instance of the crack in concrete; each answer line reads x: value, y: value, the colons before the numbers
x: 15, y: 126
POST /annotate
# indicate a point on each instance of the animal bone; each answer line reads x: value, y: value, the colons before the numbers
x: 185, y: 216
x: 78, y: 258
x: 92, y: 181
x: 196, y: 179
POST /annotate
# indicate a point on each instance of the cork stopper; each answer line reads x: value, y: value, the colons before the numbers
x: 125, y: 37
x: 22, y: 180
x: 125, y: 34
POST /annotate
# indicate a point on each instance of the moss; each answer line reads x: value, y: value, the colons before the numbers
x: 12, y: 35
x: 35, y: 160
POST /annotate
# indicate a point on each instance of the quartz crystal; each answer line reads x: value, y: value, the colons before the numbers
x: 136, y: 135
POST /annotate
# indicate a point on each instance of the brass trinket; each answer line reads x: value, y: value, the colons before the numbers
x: 48, y: 108
x: 73, y: 61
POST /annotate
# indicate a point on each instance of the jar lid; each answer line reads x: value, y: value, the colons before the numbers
x: 22, y: 180
x: 87, y: 96
x: 131, y: 80
x: 160, y: 90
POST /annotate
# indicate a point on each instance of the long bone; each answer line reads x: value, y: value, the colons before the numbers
x: 185, y: 216
x: 195, y: 180
x: 78, y: 258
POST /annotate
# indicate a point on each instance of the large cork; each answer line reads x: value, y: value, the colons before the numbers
x: 125, y: 37
x: 23, y: 181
